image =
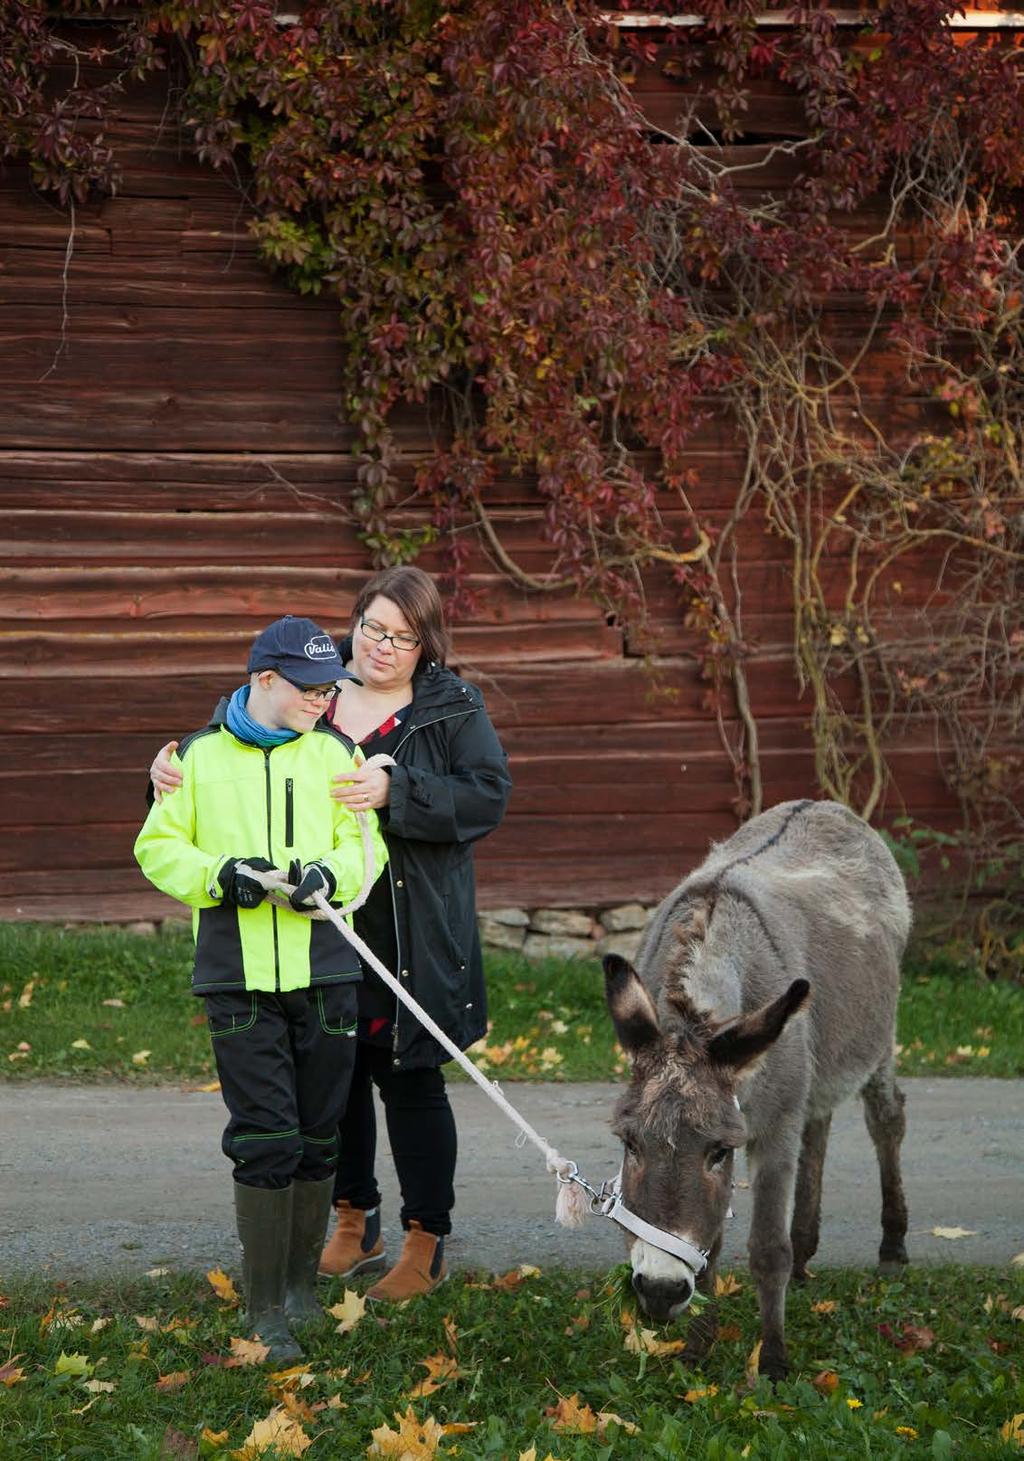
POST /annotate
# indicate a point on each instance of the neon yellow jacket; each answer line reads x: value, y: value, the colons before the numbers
x: 238, y: 800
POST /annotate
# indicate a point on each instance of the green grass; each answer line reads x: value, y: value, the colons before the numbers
x: 548, y: 1018
x: 518, y: 1351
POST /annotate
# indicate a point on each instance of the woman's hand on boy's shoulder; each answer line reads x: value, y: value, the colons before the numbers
x: 164, y: 775
x: 364, y: 789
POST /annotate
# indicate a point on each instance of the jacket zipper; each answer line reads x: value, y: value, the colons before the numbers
x: 289, y: 812
x: 270, y: 856
x: 420, y: 725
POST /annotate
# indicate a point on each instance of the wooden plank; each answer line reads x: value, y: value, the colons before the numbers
x: 150, y: 419
x: 39, y: 653
x: 179, y: 595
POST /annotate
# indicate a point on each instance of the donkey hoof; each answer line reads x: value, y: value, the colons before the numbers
x: 892, y: 1258
x: 773, y: 1364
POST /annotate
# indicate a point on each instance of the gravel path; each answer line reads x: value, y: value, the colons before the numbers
x: 94, y: 1178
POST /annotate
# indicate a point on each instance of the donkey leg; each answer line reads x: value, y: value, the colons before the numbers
x: 773, y: 1179
x: 807, y: 1203
x: 883, y: 1112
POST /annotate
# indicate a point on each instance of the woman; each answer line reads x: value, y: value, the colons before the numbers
x: 449, y: 787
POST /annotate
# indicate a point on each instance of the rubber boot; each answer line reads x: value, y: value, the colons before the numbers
x: 419, y: 1270
x: 264, y: 1219
x: 356, y: 1245
x: 311, y: 1207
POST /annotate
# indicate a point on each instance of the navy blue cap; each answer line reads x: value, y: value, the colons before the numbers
x: 300, y: 651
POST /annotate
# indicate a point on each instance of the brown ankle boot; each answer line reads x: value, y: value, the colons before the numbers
x: 355, y: 1246
x: 419, y: 1270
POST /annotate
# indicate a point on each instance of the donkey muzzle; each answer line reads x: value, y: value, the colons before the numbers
x: 662, y: 1296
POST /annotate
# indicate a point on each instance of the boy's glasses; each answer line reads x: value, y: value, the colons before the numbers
x: 321, y: 692
x: 378, y: 635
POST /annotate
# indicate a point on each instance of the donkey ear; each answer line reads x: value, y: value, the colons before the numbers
x: 630, y: 1006
x: 749, y: 1037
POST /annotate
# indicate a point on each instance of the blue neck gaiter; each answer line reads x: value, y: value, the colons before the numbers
x: 242, y: 725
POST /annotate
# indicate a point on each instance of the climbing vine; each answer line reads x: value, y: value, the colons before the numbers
x: 570, y: 293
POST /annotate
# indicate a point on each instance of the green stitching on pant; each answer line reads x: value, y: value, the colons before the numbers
x: 267, y: 1135
x: 319, y: 1140
x: 235, y: 1028
x: 331, y: 1029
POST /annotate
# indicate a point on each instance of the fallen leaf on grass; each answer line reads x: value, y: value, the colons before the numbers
x: 279, y: 1432
x: 10, y: 1373
x: 222, y: 1285
x: 414, y: 1440
x: 297, y: 1408
x: 156, y: 1272
x: 247, y: 1352
x: 25, y: 997
x: 753, y: 1363
x: 827, y: 1381
x: 511, y: 1280
x: 726, y: 1285
x: 1018, y: 1260
x: 98, y: 1324
x: 210, y: 1085
x: 953, y: 1233
x: 148, y: 1324
x: 114, y: 1004
x: 646, y: 1341
x: 1013, y: 1430
x: 167, y: 1384
x: 99, y: 1387
x: 826, y: 1306
x: 295, y: 1378
x: 730, y: 1331
x: 571, y: 1416
x: 66, y: 1319
x: 440, y: 1369
x: 72, y: 1364
x: 214, y: 1438
x: 911, y: 1340
x: 349, y: 1311
x: 701, y: 1392
x: 80, y: 1045
x: 141, y: 1056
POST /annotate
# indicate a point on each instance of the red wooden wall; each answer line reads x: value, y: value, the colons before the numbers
x: 174, y: 474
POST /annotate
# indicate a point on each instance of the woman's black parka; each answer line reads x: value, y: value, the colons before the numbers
x: 449, y: 787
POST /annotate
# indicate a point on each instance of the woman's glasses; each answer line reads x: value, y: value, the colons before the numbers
x: 378, y: 635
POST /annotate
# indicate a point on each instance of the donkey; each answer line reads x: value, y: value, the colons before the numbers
x: 766, y: 994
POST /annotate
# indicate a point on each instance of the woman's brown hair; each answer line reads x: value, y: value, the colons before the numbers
x: 415, y: 593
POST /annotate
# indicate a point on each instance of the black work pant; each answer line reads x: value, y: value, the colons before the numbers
x: 285, y: 1064
x: 421, y: 1129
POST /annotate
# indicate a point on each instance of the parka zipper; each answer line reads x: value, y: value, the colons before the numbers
x: 289, y: 811
x: 270, y: 857
x: 419, y: 725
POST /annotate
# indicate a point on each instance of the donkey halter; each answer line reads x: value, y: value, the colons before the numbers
x: 606, y: 1201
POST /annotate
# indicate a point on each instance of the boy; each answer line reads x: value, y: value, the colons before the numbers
x: 279, y: 988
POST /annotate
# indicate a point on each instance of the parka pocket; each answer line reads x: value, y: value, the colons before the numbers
x: 231, y: 1013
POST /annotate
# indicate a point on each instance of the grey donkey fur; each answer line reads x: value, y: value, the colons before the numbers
x: 765, y: 993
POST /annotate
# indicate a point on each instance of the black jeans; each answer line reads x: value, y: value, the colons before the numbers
x: 421, y: 1129
x: 284, y: 1062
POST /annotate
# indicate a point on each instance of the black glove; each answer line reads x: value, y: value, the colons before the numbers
x: 239, y: 889
x: 315, y: 877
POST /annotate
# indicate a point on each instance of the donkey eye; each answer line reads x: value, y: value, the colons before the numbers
x: 718, y: 1156
x: 632, y: 1149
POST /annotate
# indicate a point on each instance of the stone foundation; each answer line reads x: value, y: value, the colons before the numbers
x: 566, y: 933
